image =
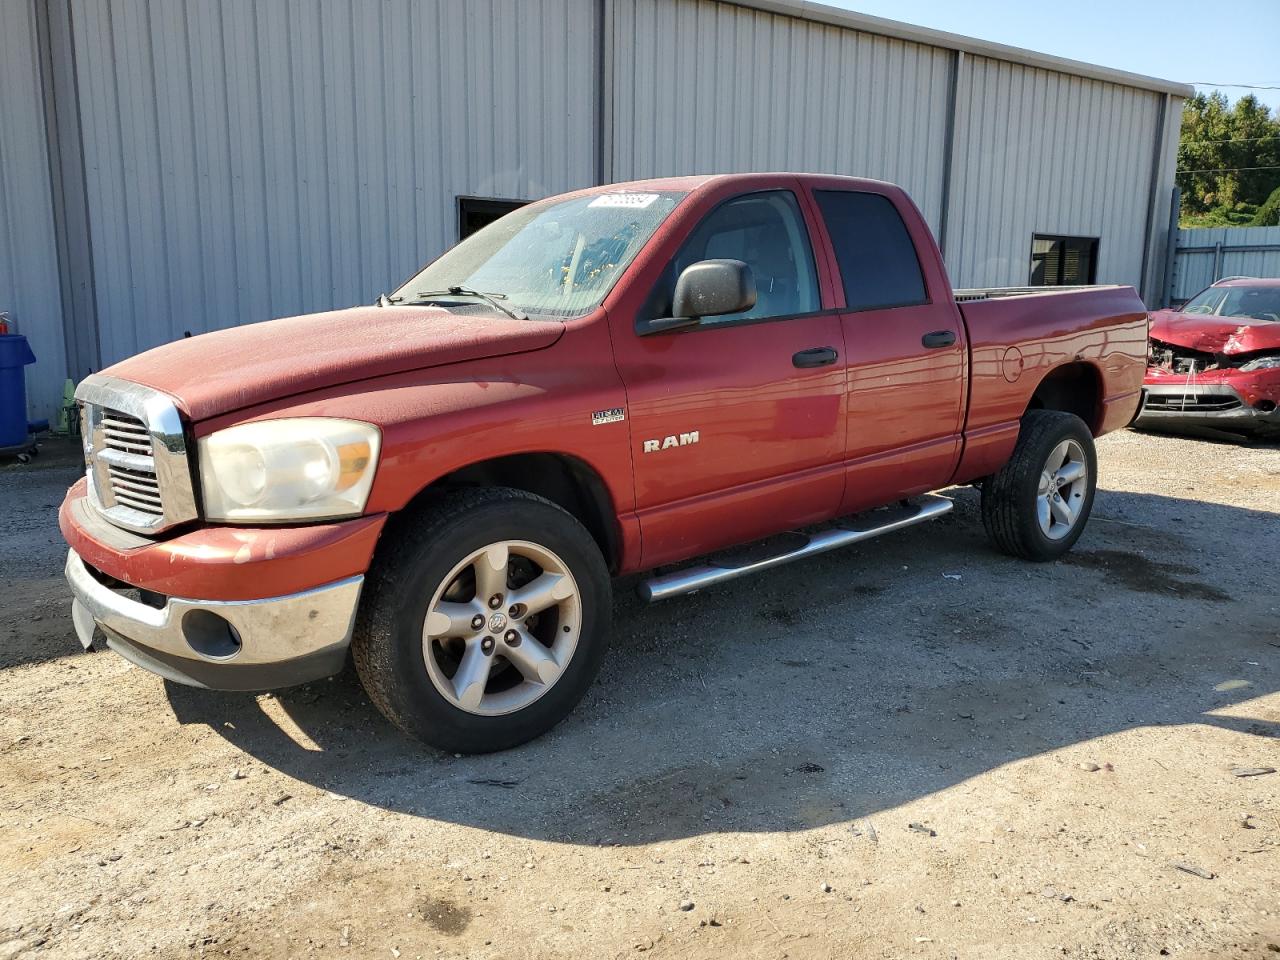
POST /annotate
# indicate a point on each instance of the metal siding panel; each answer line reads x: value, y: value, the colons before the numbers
x: 251, y: 159
x: 29, y: 287
x: 1048, y: 153
x: 710, y: 88
x: 102, y: 178
x: 1193, y: 269
x: 184, y: 278
x: 213, y: 191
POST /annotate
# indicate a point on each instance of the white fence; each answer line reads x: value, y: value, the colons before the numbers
x: 1207, y: 254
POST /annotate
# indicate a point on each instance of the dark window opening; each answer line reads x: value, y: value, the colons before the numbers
x: 474, y: 213
x: 1063, y: 261
x: 878, y: 262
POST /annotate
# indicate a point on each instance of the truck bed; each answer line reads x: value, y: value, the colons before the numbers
x: 994, y: 293
x: 1017, y: 335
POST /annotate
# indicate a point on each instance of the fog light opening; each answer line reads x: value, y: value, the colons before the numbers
x: 210, y: 635
x: 1266, y: 406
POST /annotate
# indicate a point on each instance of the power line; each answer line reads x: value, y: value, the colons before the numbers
x: 1267, y: 136
x: 1228, y: 169
x: 1236, y: 86
x: 1270, y: 136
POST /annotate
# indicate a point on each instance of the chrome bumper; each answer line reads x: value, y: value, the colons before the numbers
x: 221, y: 644
x: 1202, y: 405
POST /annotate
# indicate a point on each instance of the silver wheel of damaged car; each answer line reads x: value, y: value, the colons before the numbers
x: 1060, y: 496
x: 501, y: 628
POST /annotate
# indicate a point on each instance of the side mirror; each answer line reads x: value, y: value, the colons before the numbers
x: 708, y: 288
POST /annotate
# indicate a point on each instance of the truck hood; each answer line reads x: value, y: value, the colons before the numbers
x: 228, y: 370
x: 1227, y: 335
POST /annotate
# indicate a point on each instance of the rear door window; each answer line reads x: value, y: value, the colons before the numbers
x: 877, y: 260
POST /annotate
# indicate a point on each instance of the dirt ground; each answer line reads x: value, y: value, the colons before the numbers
x: 917, y: 748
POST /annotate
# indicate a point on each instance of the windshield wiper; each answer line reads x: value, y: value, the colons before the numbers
x: 493, y: 299
x: 385, y: 301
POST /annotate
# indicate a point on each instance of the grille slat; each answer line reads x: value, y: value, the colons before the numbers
x: 117, y: 457
x: 129, y: 444
x: 138, y: 485
x: 137, y: 503
x: 116, y: 421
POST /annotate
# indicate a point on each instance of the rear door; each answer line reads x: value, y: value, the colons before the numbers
x: 905, y: 348
x: 737, y: 424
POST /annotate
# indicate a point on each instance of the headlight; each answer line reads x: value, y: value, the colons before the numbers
x: 305, y: 468
x: 1262, y: 363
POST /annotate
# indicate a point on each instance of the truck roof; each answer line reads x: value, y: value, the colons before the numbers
x: 691, y: 183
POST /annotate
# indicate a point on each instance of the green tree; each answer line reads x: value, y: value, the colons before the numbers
x: 1228, y: 158
x: 1268, y: 214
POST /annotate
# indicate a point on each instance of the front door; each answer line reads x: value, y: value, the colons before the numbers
x: 737, y: 424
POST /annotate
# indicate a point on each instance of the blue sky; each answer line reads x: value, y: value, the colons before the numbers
x: 1228, y: 41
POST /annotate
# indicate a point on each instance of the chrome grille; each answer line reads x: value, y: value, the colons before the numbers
x: 135, y: 450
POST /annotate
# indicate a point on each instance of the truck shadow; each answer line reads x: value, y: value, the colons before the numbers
x: 838, y: 689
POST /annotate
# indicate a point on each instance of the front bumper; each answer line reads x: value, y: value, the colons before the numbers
x: 219, y: 644
x: 1214, y: 406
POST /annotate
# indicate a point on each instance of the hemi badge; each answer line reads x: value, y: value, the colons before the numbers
x: 615, y: 415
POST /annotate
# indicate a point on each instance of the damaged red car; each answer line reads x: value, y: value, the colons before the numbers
x: 1215, y: 362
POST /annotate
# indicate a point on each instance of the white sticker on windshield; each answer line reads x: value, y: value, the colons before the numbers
x: 634, y: 201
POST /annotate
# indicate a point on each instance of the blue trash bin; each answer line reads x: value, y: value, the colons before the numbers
x: 15, y: 355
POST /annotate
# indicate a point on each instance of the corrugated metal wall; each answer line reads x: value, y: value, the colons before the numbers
x: 1198, y: 262
x: 249, y: 160
x: 711, y: 87
x: 29, y: 287
x: 1043, y: 152
x: 703, y: 87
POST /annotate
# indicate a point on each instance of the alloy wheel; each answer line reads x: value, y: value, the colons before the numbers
x: 1064, y: 483
x: 501, y: 628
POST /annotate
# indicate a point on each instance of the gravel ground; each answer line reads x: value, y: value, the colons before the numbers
x: 917, y: 748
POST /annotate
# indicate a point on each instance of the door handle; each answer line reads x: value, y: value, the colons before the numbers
x: 815, y: 357
x: 939, y: 338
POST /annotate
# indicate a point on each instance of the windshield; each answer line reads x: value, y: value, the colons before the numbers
x: 1256, y: 303
x: 558, y: 258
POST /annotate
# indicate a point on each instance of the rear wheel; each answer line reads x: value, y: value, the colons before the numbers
x: 484, y: 622
x: 1037, y: 505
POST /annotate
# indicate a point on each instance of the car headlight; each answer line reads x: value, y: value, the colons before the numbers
x: 303, y: 468
x: 1262, y: 363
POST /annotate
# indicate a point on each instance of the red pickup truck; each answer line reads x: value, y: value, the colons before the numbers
x: 612, y: 381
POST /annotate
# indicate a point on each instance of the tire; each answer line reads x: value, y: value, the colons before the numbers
x: 428, y: 566
x: 1016, y: 499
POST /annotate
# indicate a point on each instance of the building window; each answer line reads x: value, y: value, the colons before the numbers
x: 1063, y: 261
x: 477, y: 212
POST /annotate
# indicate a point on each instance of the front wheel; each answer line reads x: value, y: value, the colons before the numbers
x: 1036, y: 506
x: 484, y: 620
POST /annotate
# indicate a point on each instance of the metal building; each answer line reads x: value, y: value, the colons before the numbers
x: 173, y: 166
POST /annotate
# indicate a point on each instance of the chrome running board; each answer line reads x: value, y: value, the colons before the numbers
x: 845, y: 532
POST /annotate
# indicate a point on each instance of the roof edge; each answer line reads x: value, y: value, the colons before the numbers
x: 865, y: 23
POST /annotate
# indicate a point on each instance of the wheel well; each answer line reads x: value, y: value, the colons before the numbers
x: 564, y: 480
x: 1073, y: 388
